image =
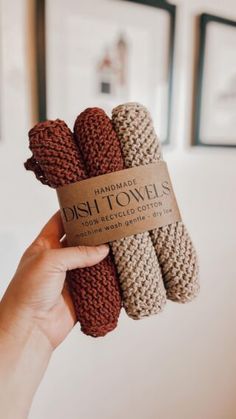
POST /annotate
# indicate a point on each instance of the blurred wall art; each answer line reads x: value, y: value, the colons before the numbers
x: 215, y: 118
x: 118, y: 52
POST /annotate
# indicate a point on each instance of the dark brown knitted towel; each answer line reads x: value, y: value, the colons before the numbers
x: 143, y: 291
x: 56, y: 161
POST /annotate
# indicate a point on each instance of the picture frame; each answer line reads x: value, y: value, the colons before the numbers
x: 38, y: 52
x: 215, y: 98
x: 44, y: 68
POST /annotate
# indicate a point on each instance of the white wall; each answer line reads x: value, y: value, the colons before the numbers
x: 180, y: 364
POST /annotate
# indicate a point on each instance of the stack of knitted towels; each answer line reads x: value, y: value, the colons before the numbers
x: 142, y: 271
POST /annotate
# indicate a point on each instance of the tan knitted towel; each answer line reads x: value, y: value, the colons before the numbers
x: 174, y: 248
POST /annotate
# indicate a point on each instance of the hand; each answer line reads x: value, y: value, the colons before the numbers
x: 36, y: 312
x: 38, y: 292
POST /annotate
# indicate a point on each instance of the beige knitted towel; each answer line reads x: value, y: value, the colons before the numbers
x: 174, y: 248
x: 143, y: 291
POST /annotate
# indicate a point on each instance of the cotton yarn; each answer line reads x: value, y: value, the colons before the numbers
x: 56, y: 161
x: 174, y: 248
x: 143, y: 291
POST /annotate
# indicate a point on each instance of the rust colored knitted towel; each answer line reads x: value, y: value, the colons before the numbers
x: 173, y: 245
x: 56, y: 161
x: 143, y: 291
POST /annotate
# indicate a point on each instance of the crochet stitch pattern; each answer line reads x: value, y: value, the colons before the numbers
x: 56, y: 161
x: 175, y: 251
x: 143, y: 291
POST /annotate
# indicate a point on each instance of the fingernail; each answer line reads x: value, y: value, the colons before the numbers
x: 103, y: 248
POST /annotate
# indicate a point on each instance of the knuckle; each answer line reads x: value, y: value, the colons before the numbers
x: 44, y: 257
x: 38, y: 246
x: 83, y: 250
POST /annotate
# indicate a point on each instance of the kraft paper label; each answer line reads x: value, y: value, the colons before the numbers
x: 119, y: 204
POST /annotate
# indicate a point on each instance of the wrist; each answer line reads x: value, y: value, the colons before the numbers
x: 18, y: 321
x: 24, y: 355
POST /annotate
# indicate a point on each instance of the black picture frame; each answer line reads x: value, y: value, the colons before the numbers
x: 171, y: 9
x: 39, y: 35
x: 204, y: 20
x: 40, y: 49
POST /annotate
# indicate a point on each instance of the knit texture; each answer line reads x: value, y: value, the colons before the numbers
x: 56, y: 161
x: 173, y: 246
x: 139, y: 272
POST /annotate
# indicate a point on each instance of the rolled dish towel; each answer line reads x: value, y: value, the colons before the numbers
x: 56, y: 161
x: 143, y: 291
x: 174, y: 248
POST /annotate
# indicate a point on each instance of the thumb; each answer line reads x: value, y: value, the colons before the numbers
x: 68, y: 258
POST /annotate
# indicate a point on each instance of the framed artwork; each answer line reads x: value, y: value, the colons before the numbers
x: 119, y: 51
x: 215, y: 106
x: 40, y: 55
